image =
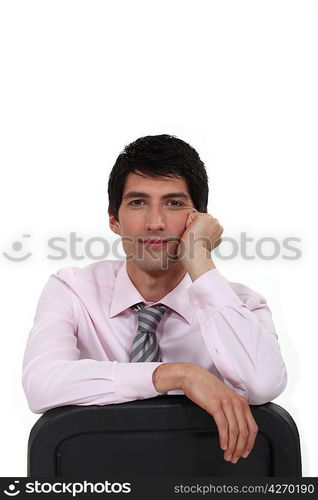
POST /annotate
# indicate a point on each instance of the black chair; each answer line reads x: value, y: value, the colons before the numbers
x: 166, y: 436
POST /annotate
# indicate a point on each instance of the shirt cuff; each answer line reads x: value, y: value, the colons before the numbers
x: 134, y: 380
x: 211, y: 290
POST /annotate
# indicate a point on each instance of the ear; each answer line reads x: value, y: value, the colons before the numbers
x: 114, y: 224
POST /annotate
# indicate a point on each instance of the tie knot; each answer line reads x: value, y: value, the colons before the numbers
x: 149, y: 317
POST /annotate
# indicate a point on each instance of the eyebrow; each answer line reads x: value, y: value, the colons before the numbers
x: 138, y: 194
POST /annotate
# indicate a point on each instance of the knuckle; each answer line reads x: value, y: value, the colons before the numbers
x: 224, y: 423
x: 253, y: 426
x: 242, y: 400
x: 237, y: 405
x: 244, y: 433
x: 224, y: 426
x: 226, y: 402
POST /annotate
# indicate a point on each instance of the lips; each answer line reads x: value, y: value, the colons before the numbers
x: 154, y: 243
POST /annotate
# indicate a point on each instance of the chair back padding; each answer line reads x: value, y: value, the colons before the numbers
x: 164, y: 436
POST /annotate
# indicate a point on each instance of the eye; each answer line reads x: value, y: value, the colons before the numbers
x: 138, y: 203
x: 176, y: 201
x: 134, y: 203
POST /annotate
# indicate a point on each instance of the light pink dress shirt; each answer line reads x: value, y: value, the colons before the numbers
x: 78, y: 349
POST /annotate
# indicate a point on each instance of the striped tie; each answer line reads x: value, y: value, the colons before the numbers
x: 145, y: 346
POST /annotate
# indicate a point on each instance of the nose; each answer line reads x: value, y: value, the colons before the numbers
x: 155, y: 219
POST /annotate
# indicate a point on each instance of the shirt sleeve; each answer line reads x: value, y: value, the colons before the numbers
x: 240, y: 336
x: 53, y: 373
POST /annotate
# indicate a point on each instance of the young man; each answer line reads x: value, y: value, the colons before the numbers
x: 165, y: 319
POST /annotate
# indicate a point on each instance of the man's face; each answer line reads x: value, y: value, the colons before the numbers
x: 152, y: 208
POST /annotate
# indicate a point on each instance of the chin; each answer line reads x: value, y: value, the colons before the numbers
x: 151, y: 265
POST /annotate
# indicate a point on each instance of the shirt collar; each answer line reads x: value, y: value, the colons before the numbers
x: 126, y: 294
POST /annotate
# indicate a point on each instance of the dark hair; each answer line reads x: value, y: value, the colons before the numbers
x: 159, y: 156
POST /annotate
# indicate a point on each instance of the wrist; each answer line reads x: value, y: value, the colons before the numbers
x: 170, y: 376
x: 200, y: 263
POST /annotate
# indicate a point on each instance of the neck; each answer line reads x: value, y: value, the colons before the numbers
x: 153, y: 285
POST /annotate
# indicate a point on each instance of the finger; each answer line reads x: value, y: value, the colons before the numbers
x: 222, y: 425
x: 253, y: 429
x: 243, y: 432
x: 217, y: 243
x: 191, y: 217
x: 233, y: 429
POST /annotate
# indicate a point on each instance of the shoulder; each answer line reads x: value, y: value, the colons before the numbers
x: 102, y: 273
x: 247, y: 295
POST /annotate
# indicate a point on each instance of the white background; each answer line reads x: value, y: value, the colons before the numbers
x: 236, y: 79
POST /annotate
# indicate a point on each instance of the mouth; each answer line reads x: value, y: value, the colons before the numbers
x: 156, y: 243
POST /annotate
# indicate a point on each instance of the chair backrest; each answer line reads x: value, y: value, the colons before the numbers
x: 164, y: 436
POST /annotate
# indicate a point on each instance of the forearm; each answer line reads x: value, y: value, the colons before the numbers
x: 245, y: 354
x: 51, y: 383
x: 240, y: 337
